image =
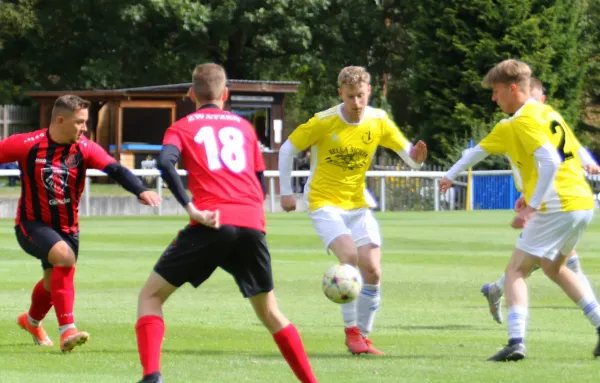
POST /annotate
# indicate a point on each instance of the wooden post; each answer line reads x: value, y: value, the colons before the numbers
x: 4, y: 122
x: 45, y: 112
x: 119, y: 132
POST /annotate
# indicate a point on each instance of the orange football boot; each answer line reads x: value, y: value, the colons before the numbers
x: 37, y: 333
x: 372, y: 350
x: 355, y: 342
x: 72, y: 338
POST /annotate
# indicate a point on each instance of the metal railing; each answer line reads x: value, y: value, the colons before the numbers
x: 431, y: 193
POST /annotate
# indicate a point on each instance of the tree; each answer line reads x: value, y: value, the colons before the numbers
x: 16, y: 20
x: 455, y: 43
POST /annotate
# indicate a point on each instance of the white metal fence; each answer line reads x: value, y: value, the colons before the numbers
x: 17, y: 119
x: 425, y: 184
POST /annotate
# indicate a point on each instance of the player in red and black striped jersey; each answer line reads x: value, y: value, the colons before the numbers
x: 225, y: 168
x: 53, y: 163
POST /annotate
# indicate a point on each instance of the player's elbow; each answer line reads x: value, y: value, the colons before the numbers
x: 288, y: 149
x: 164, y: 162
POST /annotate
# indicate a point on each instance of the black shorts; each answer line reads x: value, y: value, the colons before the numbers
x: 198, y: 250
x: 37, y: 238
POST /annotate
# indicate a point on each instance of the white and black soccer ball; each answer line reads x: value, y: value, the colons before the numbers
x: 342, y: 283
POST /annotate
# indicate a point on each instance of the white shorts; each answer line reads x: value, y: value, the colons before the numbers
x: 549, y: 234
x: 330, y: 222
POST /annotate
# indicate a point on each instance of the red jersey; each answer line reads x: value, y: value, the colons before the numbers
x: 221, y: 154
x: 52, y: 176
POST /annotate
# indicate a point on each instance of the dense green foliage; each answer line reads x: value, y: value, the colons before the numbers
x: 429, y: 55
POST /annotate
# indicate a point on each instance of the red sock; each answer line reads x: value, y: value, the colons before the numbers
x: 292, y: 349
x: 41, y: 302
x: 150, y: 330
x: 62, y: 290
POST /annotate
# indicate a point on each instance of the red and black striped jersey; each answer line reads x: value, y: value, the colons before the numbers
x: 52, y: 176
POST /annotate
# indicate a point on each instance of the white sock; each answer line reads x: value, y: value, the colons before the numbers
x: 517, y: 322
x: 590, y: 308
x: 349, y: 314
x: 368, y: 303
x: 500, y: 283
x: 574, y: 265
x: 33, y: 322
x: 64, y: 328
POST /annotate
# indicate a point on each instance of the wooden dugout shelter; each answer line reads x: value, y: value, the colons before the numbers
x: 130, y: 122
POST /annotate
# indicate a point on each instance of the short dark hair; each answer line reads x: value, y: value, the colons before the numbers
x: 69, y: 103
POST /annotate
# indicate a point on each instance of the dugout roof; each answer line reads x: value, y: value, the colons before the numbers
x: 108, y: 105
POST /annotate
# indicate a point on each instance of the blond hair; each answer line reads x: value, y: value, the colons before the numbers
x: 508, y: 72
x: 535, y: 83
x: 209, y: 81
x: 354, y: 75
x: 67, y: 105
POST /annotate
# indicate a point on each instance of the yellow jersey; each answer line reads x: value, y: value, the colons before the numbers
x: 341, y: 154
x: 519, y: 136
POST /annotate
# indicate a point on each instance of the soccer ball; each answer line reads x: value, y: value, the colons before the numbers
x: 342, y: 283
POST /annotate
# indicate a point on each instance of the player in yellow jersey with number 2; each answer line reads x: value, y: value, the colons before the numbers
x: 542, y: 151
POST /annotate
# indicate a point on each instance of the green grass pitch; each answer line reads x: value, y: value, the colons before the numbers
x: 433, y: 323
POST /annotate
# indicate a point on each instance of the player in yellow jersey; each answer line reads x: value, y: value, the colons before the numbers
x: 493, y: 291
x: 559, y: 204
x: 343, y: 140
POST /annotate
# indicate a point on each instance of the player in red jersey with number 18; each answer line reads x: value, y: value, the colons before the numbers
x: 225, y: 168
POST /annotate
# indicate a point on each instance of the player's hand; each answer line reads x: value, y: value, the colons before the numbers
x: 288, y: 202
x: 523, y: 217
x: 520, y: 204
x: 149, y: 198
x: 592, y: 169
x: 419, y: 152
x: 445, y: 184
x: 205, y: 217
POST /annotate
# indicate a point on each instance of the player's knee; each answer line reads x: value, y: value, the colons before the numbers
x: 151, y: 293
x: 62, y: 255
x: 273, y: 319
x: 156, y: 291
x: 266, y: 309
x: 514, y: 270
x: 348, y: 257
x: 371, y: 273
x: 551, y: 269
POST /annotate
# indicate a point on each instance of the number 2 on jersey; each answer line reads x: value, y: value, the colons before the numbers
x: 232, y: 153
x: 555, y: 126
